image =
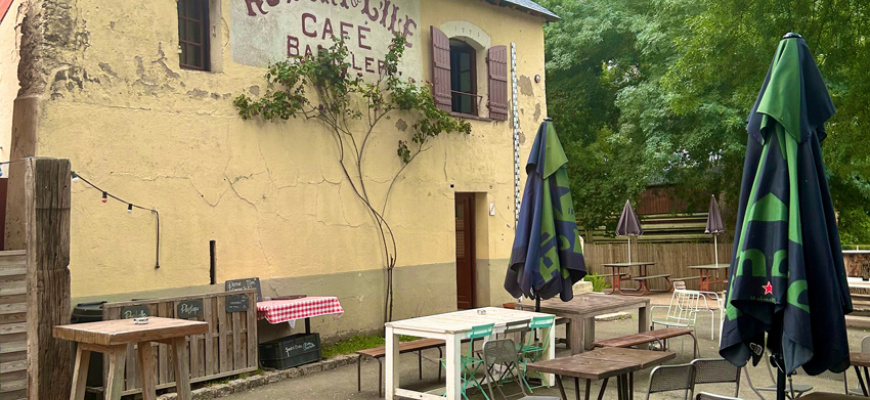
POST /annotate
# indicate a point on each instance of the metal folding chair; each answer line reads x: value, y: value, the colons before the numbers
x: 532, y: 349
x: 716, y: 370
x: 792, y: 391
x: 471, y: 365
x: 865, y: 348
x: 670, y: 378
x: 504, y: 353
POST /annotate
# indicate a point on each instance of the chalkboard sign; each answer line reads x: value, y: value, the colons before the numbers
x: 134, y: 312
x: 189, y: 309
x: 237, y: 303
x: 244, y: 284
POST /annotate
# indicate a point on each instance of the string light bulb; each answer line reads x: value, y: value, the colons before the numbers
x: 129, y: 208
x: 105, y: 197
x: 75, y: 176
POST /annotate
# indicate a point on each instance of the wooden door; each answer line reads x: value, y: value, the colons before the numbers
x: 465, y: 257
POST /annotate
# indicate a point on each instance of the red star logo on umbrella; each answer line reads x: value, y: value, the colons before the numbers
x: 768, y: 289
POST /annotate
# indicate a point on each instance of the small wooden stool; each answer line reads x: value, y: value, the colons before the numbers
x: 112, y: 339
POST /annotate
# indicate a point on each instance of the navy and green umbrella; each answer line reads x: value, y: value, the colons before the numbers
x: 547, y: 257
x: 787, y: 277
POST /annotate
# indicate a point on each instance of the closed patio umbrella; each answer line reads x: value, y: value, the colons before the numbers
x: 714, y: 225
x: 628, y: 225
x: 547, y: 258
x: 787, y: 274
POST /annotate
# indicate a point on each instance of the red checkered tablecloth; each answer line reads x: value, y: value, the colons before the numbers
x: 278, y: 311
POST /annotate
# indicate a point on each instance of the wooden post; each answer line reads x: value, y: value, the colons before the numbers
x: 47, y: 218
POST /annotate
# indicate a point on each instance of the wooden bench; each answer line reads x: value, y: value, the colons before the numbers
x: 659, y: 336
x: 406, y: 347
x: 648, y: 277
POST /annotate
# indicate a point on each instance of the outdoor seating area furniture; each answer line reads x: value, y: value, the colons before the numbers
x: 642, y: 278
x: 378, y: 353
x: 113, y: 337
x: 709, y: 275
x: 602, y: 364
x: 857, y: 359
x: 469, y: 364
x: 792, y: 391
x: 504, y: 353
x: 659, y: 336
x: 671, y: 378
x: 827, y: 396
x: 453, y: 328
x: 582, y: 310
x: 716, y: 370
x: 289, y: 310
x: 683, y: 310
x: 559, y: 321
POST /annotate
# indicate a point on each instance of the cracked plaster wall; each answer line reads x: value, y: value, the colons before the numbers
x: 10, y: 40
x: 115, y: 102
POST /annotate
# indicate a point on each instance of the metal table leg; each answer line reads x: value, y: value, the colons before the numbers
x: 561, y: 388
x: 861, y: 381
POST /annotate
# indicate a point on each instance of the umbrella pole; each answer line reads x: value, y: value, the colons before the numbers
x: 780, y: 377
x: 629, y: 249
x: 716, y: 248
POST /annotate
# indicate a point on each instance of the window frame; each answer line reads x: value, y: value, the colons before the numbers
x: 204, y: 48
x: 476, y: 98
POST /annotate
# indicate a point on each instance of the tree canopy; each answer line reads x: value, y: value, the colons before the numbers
x: 647, y: 91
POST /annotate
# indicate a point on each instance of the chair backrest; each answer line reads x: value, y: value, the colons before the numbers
x: 517, y: 326
x: 684, y: 307
x: 668, y: 378
x: 480, y: 331
x: 865, y: 344
x: 710, y: 396
x: 502, y: 351
x: 542, y: 322
x: 716, y: 370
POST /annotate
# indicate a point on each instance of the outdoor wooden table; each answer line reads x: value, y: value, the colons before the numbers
x: 602, y: 364
x: 112, y: 339
x: 277, y: 311
x: 643, y: 269
x: 452, y: 328
x: 583, y: 309
x: 706, y: 271
x: 858, y: 361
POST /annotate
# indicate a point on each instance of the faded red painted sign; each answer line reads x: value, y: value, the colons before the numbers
x: 265, y: 31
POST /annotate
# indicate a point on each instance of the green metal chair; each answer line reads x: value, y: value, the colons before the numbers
x: 533, y: 349
x: 470, y: 364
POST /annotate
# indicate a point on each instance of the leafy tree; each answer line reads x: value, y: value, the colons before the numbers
x: 665, y: 86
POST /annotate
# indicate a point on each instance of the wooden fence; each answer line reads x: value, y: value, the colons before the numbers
x: 670, y: 258
x: 13, y: 325
x: 229, y: 348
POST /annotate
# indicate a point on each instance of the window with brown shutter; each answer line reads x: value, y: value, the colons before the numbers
x: 193, y: 34
x: 463, y: 77
x: 441, y: 86
x: 496, y: 62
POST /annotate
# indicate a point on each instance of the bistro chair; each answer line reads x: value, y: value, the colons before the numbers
x: 532, y: 350
x: 792, y: 391
x: 716, y: 370
x: 682, y: 312
x: 470, y: 365
x: 503, y: 353
x: 671, y: 378
x: 865, y: 348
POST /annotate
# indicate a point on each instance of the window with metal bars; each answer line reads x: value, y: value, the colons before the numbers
x: 193, y: 34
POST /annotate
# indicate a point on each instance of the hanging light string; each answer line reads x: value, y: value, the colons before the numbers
x: 130, y: 207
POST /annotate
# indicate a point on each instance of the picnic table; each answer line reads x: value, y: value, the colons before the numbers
x: 642, y: 277
x: 113, y: 337
x: 583, y: 309
x: 290, y: 310
x: 706, y: 271
x: 602, y: 364
x: 861, y: 360
x: 452, y: 328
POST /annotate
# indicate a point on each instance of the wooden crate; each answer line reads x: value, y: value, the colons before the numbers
x: 13, y: 331
x: 229, y: 348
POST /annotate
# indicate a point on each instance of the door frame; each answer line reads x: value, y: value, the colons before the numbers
x: 471, y: 251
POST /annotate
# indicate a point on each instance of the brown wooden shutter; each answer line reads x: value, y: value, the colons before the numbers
x: 497, y: 67
x: 441, y: 86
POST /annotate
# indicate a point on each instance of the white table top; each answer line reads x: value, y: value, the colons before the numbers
x: 463, y: 321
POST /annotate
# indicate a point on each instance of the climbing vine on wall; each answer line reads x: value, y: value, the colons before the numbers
x: 323, y: 87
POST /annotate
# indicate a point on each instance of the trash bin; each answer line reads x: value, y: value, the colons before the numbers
x: 91, y: 312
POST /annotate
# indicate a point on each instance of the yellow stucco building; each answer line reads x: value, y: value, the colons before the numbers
x: 138, y: 95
